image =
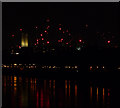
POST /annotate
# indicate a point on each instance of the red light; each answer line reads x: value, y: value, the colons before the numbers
x: 48, y: 42
x: 19, y: 46
x: 59, y: 40
x: 66, y: 43
x: 69, y: 34
x: 36, y: 27
x: 62, y: 39
x: 35, y: 43
x: 63, y: 32
x: 48, y: 27
x: 70, y: 45
x: 86, y: 25
x: 13, y: 35
x: 59, y: 24
x: 45, y: 31
x: 66, y: 30
x: 42, y: 38
x: 109, y: 41
x: 37, y: 40
x: 80, y: 40
x: 108, y: 94
x: 59, y: 28
x: 47, y: 20
x: 41, y: 35
x: 20, y: 29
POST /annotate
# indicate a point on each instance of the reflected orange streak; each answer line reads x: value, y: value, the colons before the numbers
x: 11, y: 77
x: 66, y: 87
x: 37, y: 104
x: 103, y: 91
x: 35, y: 80
x: 54, y: 87
x: 41, y: 99
x: 53, y: 83
x: 103, y: 94
x: 50, y: 83
x: 15, y: 90
x: 15, y: 78
x: 69, y: 87
x: 65, y: 83
x: 91, y: 93
x: 76, y: 90
x: 97, y: 94
x: 15, y: 85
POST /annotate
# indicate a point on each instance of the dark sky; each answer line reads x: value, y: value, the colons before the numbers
x: 99, y: 16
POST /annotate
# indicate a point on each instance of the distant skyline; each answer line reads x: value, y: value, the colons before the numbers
x: 98, y: 16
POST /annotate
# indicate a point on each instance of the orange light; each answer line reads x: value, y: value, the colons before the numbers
x: 97, y: 94
x: 103, y: 91
x: 76, y: 90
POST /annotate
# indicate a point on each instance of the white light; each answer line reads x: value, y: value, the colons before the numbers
x: 17, y: 53
x: 15, y: 64
x: 76, y: 67
x: 118, y: 67
x: 78, y: 48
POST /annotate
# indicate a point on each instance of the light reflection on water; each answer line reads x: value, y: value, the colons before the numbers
x: 35, y: 93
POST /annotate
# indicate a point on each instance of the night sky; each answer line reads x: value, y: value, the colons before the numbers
x: 98, y: 16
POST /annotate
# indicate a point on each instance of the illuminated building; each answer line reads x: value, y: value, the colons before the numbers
x: 24, y: 40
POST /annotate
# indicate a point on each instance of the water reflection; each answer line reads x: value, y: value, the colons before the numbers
x: 33, y: 92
